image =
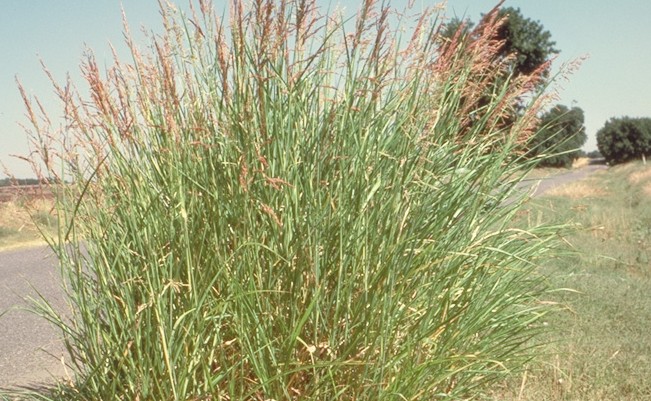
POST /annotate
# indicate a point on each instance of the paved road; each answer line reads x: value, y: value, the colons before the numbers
x: 540, y: 186
x: 26, y: 341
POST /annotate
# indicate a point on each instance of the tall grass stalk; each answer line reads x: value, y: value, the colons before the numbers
x: 277, y: 207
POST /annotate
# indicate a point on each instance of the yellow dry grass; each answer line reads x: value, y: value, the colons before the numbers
x: 17, y: 222
x: 639, y: 176
x: 578, y: 190
x: 647, y: 189
x: 581, y: 162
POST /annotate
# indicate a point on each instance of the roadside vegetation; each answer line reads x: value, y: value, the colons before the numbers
x: 323, y: 214
x: 291, y: 219
x: 560, y: 137
x: 279, y: 207
x: 599, y: 347
x: 623, y: 139
x: 25, y: 219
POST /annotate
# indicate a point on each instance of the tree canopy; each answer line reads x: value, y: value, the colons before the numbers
x: 525, y: 40
x: 625, y: 138
x: 561, y: 134
x: 527, y: 47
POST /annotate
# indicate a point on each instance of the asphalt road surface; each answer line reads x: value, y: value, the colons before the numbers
x: 540, y: 186
x: 30, y: 352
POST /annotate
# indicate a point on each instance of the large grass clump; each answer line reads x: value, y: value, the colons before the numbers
x: 293, y: 206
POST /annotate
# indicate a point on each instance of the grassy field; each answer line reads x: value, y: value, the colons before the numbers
x: 601, y: 349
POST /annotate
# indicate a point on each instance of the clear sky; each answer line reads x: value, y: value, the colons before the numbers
x: 614, y: 81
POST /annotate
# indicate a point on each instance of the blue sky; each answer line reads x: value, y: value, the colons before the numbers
x: 614, y: 81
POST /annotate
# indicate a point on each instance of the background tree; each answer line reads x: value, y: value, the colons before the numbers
x: 456, y: 27
x: 560, y: 137
x: 526, y: 46
x: 525, y: 40
x: 623, y: 139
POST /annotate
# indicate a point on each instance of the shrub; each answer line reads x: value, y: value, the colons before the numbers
x: 623, y: 139
x: 282, y: 210
x: 560, y: 137
x: 7, y: 232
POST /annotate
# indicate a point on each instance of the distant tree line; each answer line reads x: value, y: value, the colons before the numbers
x: 8, y: 182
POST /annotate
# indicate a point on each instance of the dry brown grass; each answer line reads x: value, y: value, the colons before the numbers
x: 642, y: 177
x: 639, y: 176
x: 19, y: 219
x: 578, y: 190
x: 581, y: 162
x: 647, y: 189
